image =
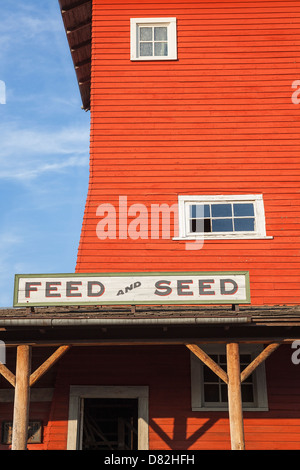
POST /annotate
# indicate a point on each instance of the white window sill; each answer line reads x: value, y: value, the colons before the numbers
x: 152, y: 58
x: 210, y: 408
x: 225, y: 237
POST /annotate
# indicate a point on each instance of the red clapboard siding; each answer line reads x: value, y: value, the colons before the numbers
x: 219, y: 120
x: 172, y: 423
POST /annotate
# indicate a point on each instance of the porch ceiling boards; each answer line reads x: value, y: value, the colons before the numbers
x: 77, y: 19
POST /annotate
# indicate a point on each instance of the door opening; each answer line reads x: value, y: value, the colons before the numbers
x: 110, y: 424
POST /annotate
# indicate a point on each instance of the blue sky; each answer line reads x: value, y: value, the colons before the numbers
x: 44, y: 145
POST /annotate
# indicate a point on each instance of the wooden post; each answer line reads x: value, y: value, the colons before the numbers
x: 8, y: 375
x: 22, y: 398
x: 258, y: 360
x: 235, y: 397
x: 208, y: 361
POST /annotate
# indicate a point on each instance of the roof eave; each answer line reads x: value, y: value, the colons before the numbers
x: 77, y: 19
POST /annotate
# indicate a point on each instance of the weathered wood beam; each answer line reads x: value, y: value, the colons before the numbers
x: 80, y: 45
x: 74, y: 5
x: 208, y: 361
x: 84, y: 81
x: 22, y: 398
x: 258, y: 360
x: 8, y: 375
x: 146, y: 341
x: 83, y: 63
x: 235, y: 397
x: 79, y: 26
x: 40, y: 371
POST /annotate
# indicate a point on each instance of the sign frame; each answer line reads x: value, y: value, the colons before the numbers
x: 160, y: 300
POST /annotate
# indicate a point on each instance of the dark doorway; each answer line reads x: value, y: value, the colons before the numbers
x: 110, y: 424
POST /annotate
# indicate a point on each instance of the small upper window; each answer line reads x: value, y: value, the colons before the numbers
x: 153, y: 39
x: 240, y: 216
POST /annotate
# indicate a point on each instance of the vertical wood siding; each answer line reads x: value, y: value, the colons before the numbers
x: 219, y: 120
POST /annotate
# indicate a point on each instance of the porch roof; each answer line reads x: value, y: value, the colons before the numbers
x: 148, y: 324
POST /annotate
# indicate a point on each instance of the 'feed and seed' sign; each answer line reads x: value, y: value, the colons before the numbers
x: 132, y: 288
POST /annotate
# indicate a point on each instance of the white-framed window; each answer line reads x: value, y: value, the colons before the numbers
x: 221, y: 217
x: 153, y: 39
x: 209, y: 392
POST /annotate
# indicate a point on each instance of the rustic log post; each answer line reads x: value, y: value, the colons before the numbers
x: 208, y: 361
x: 235, y: 397
x: 22, y: 398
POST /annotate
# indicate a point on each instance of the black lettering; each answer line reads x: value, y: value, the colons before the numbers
x: 232, y: 291
x: 50, y: 287
x: 181, y: 285
x: 128, y: 288
x: 137, y: 284
x: 205, y: 284
x: 29, y: 288
x: 91, y: 292
x: 71, y: 286
x: 167, y: 290
x: 120, y: 292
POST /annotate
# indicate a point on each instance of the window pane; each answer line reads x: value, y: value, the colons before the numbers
x: 245, y: 359
x: 246, y: 225
x: 221, y: 210
x: 193, y: 225
x: 197, y: 225
x: 200, y: 225
x: 193, y: 210
x: 222, y: 359
x: 224, y: 393
x: 198, y: 211
x: 222, y: 225
x: 209, y: 375
x: 207, y: 225
x: 145, y: 34
x: 243, y: 210
x: 146, y: 49
x: 211, y: 392
x: 160, y: 33
x: 160, y: 48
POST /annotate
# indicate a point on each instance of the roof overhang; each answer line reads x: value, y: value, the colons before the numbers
x: 77, y: 19
x: 148, y: 325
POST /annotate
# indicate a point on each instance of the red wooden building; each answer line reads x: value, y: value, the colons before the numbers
x: 192, y: 216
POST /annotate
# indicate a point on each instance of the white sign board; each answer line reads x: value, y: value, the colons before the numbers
x: 132, y: 288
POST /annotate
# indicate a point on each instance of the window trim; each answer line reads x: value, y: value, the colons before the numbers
x: 186, y: 200
x: 197, y: 383
x: 171, y: 23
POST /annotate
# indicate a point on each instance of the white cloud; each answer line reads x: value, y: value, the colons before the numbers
x: 23, y: 21
x: 27, y: 153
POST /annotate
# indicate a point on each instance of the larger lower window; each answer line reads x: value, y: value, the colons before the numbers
x: 240, y: 216
x: 153, y: 39
x: 209, y: 392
